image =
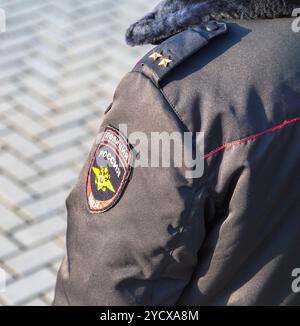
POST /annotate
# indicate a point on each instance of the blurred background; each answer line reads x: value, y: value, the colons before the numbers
x: 60, y: 62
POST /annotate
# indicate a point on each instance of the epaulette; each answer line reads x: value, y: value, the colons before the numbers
x: 160, y: 61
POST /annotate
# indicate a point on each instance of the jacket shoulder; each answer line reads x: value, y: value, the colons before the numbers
x: 168, y: 55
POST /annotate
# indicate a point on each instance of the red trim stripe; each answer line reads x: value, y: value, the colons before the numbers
x: 245, y: 140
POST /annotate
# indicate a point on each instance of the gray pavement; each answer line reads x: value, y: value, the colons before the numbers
x: 60, y: 61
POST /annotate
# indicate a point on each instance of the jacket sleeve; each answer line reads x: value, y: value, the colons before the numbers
x: 143, y: 250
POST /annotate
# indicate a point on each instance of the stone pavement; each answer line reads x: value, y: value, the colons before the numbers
x: 60, y: 61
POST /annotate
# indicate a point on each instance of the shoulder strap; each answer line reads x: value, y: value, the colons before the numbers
x: 158, y: 63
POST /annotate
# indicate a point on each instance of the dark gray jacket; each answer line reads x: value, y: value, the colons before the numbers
x: 230, y: 237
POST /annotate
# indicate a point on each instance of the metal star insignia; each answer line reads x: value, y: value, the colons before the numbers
x: 155, y: 55
x: 164, y: 62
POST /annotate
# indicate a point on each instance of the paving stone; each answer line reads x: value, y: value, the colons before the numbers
x: 37, y: 85
x: 5, y: 107
x: 17, y: 8
x: 37, y: 302
x: 68, y: 116
x: 45, y: 205
x: 48, y: 70
x: 3, y: 128
x: 31, y: 103
x: 7, y: 89
x: 26, y: 123
x: 9, y: 72
x: 7, y: 247
x: 49, y: 296
x: 6, y: 275
x: 15, y: 166
x: 64, y: 136
x: 64, y: 156
x: 2, y: 281
x: 41, y: 231
x: 29, y: 287
x: 12, y: 192
x: 35, y: 257
x: 8, y: 219
x: 27, y: 147
x: 73, y: 97
x: 53, y: 180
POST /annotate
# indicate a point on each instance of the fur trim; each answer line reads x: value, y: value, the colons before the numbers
x: 173, y: 16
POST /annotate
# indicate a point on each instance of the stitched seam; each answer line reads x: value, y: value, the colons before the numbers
x: 185, y: 224
x: 177, y: 114
x: 251, y: 137
x: 63, y: 283
x: 173, y: 108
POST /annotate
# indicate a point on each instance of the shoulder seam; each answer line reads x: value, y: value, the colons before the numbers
x: 173, y: 109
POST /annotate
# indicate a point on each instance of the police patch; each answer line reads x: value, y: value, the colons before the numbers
x: 109, y: 171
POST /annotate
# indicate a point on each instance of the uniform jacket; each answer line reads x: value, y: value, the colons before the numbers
x: 231, y: 236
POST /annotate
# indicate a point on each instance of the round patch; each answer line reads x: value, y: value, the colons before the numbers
x: 109, y: 171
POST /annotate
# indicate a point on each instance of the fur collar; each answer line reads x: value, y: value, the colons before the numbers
x: 173, y: 16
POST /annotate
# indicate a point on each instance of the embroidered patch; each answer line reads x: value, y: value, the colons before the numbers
x: 109, y: 171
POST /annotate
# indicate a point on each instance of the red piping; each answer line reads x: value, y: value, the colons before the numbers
x: 245, y: 140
